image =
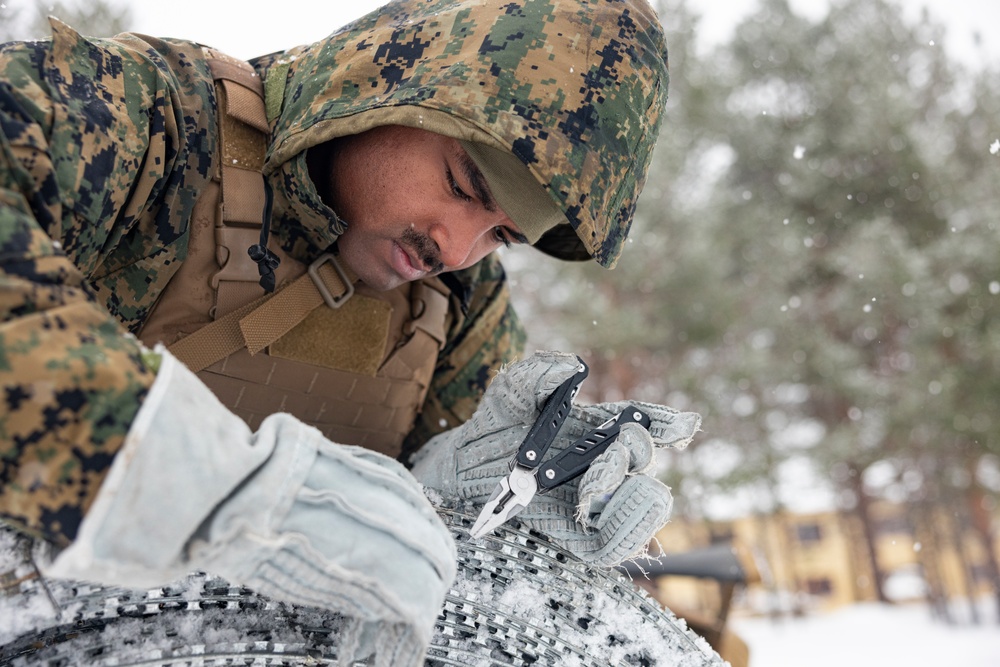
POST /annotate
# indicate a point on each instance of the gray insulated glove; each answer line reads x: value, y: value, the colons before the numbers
x: 283, y: 511
x: 605, y: 516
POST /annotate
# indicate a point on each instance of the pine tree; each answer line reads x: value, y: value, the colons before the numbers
x: 96, y: 18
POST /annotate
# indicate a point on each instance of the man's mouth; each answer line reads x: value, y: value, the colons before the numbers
x: 422, y: 251
x: 408, y: 266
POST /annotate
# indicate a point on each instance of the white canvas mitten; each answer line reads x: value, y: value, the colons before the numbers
x: 283, y: 511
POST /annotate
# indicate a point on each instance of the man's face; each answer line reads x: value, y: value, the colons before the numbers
x: 415, y: 205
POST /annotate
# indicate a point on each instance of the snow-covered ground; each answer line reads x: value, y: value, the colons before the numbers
x: 873, y: 635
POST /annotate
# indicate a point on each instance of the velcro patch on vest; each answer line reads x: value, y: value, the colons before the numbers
x: 351, y: 338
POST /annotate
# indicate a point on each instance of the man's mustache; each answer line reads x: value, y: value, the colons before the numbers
x: 425, y: 248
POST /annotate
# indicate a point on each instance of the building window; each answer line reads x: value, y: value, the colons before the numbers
x: 893, y: 525
x: 820, y: 586
x: 808, y: 533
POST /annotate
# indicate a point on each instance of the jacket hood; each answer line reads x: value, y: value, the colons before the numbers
x: 574, y: 88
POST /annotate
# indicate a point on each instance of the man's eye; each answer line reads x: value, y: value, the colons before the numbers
x: 456, y: 189
x: 500, y: 236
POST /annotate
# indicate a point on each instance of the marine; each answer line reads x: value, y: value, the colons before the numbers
x: 380, y: 169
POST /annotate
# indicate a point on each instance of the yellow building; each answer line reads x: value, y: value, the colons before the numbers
x: 811, y: 562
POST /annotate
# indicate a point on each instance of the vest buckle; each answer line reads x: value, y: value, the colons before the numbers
x: 334, y: 301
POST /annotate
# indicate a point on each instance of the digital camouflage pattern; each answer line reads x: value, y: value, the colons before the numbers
x: 103, y: 151
x: 107, y: 143
x: 574, y: 88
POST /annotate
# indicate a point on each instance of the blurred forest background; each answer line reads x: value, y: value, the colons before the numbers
x: 90, y: 17
x: 814, y: 268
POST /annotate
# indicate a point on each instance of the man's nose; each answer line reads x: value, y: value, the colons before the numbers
x: 456, y: 239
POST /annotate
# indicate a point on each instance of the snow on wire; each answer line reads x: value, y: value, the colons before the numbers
x: 518, y: 601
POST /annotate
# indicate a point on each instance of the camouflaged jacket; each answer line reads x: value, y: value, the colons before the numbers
x: 107, y: 143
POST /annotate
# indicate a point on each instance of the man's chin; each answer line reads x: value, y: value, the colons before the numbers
x: 368, y: 272
x: 379, y: 283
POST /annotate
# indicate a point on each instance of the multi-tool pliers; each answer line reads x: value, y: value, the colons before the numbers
x: 529, y: 476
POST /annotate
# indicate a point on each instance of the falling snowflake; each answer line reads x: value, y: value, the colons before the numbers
x: 995, y: 147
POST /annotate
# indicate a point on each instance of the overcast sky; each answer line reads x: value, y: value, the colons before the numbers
x: 247, y: 28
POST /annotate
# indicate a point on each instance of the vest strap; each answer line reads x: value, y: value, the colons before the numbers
x: 277, y: 316
x: 429, y: 309
x: 265, y: 320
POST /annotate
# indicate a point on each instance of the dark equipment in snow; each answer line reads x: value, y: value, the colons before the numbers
x: 729, y: 565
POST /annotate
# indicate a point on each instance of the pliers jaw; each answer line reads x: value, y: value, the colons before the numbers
x: 511, y: 496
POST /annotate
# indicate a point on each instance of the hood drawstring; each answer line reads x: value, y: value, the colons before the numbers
x: 266, y: 260
x: 459, y: 290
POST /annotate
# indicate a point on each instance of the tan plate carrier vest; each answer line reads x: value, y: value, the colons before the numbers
x: 353, y: 362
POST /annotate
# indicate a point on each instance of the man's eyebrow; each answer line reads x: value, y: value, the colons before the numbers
x: 478, y: 182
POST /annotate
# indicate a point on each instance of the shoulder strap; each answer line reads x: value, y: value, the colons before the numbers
x: 265, y: 320
x: 243, y: 138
